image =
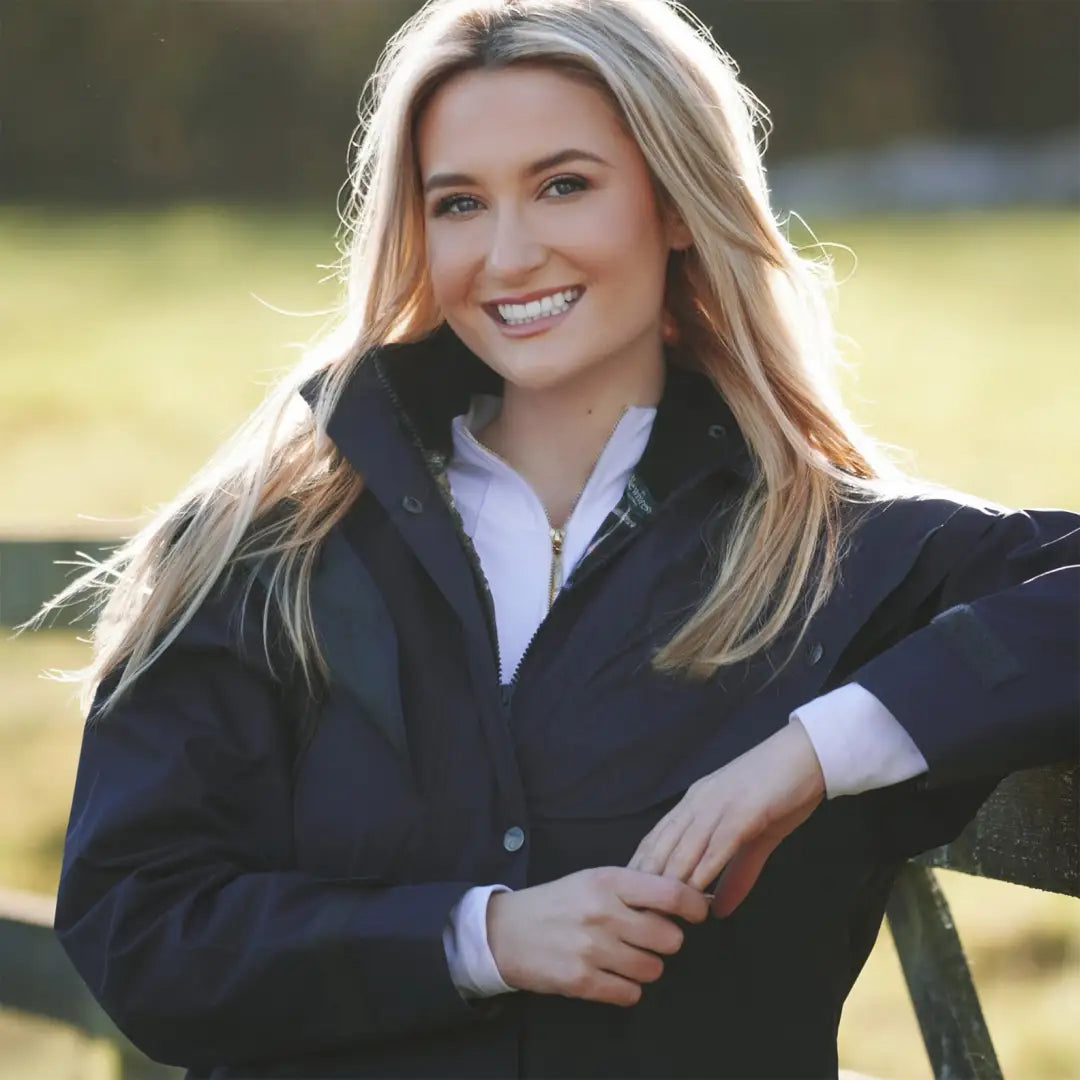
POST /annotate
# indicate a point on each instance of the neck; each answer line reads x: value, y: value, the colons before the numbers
x: 554, y: 436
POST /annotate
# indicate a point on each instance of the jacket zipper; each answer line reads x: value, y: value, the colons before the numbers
x: 555, y: 581
x: 594, y: 565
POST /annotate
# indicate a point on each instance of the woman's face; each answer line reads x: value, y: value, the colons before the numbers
x: 509, y: 226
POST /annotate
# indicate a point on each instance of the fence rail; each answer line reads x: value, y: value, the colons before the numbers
x: 32, y: 571
x: 36, y: 977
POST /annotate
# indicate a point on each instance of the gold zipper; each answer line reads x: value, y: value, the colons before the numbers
x: 555, y: 583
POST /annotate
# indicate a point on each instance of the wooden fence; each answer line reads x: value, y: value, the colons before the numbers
x: 31, y: 571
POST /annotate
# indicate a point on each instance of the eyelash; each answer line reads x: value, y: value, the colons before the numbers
x: 442, y: 207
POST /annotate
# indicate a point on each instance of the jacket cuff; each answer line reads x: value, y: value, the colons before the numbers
x: 963, y: 697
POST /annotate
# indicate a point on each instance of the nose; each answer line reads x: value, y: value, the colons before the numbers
x: 514, y: 253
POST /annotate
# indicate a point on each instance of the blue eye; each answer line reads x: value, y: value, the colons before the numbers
x: 445, y: 206
x: 578, y: 183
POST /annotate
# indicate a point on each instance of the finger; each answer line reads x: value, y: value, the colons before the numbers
x: 720, y: 850
x: 653, y: 851
x: 641, y: 852
x: 668, y: 895
x: 687, y: 853
x: 651, y: 930
x: 608, y: 988
x: 741, y: 874
x: 630, y: 962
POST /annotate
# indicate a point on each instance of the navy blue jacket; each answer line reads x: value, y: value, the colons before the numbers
x: 255, y: 881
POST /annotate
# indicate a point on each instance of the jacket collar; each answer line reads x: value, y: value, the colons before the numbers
x: 430, y: 381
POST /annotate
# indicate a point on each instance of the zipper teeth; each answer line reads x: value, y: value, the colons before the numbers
x: 603, y: 559
x: 470, y: 551
x: 595, y: 565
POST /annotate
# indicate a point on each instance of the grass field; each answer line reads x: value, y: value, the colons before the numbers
x: 132, y: 343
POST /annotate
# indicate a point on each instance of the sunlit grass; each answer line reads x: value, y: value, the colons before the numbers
x: 40, y: 724
x: 966, y: 347
x: 132, y: 345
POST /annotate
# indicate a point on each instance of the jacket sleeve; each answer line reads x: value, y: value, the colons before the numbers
x: 179, y: 900
x: 992, y: 683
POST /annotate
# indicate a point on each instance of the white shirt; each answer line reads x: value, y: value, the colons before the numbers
x: 859, y: 743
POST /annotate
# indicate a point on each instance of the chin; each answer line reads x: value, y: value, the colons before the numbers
x: 546, y: 364
x: 539, y: 376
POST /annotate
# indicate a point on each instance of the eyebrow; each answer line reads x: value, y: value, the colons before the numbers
x: 441, y: 180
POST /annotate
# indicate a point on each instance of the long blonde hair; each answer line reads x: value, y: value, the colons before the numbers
x: 750, y: 312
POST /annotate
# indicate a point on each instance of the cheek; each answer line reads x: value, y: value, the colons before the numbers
x: 448, y: 269
x: 620, y: 237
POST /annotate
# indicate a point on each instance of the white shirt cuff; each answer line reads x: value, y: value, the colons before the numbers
x: 858, y: 741
x: 468, y: 955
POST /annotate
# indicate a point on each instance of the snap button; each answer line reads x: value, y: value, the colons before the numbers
x: 513, y: 838
x: 412, y: 504
x: 717, y: 431
x: 815, y: 652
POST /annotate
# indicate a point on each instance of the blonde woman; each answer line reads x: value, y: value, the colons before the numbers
x: 549, y: 678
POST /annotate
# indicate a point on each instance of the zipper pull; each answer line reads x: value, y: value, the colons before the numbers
x: 555, y: 583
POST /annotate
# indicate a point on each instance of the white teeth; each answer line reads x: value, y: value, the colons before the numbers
x: 515, y: 314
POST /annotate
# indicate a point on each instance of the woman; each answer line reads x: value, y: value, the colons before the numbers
x: 554, y: 589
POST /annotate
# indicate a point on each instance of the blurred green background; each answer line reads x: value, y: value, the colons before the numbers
x: 170, y: 181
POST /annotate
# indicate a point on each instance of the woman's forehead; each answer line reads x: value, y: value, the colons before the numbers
x: 509, y: 119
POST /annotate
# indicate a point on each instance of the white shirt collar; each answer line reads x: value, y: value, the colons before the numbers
x: 620, y: 453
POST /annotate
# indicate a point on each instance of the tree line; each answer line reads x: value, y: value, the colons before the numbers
x: 158, y: 99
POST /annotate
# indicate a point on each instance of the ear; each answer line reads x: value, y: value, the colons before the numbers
x: 679, y: 236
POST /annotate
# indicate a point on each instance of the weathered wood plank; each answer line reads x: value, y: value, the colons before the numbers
x: 33, y: 571
x: 1027, y: 832
x: 36, y: 977
x: 938, y: 980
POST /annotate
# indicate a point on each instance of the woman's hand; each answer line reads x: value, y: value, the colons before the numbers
x: 733, y: 819
x: 594, y: 934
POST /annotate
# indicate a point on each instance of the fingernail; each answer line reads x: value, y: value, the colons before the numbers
x: 709, y: 895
